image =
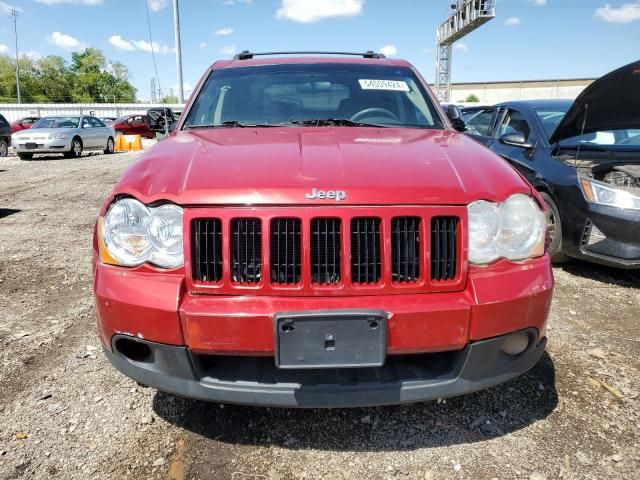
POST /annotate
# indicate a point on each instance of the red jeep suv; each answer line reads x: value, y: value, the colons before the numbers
x: 315, y: 233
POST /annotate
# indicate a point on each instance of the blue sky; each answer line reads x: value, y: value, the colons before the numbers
x: 528, y: 39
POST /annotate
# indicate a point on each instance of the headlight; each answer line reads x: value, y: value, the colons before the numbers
x: 57, y: 135
x: 133, y: 233
x: 165, y: 233
x: 514, y: 229
x: 598, y: 192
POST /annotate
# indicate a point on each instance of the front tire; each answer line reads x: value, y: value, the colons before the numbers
x: 76, y: 149
x: 4, y: 148
x: 554, y: 228
x: 110, y: 147
x: 25, y: 156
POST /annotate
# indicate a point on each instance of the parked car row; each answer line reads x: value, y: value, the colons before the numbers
x: 584, y: 159
x: 73, y: 134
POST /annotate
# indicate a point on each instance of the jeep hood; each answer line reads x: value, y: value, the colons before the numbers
x: 279, y: 166
x: 612, y: 102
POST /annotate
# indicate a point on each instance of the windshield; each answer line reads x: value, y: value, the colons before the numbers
x: 57, y: 122
x: 313, y: 94
x: 551, y: 117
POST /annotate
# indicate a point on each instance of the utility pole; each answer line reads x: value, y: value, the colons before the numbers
x: 14, y: 14
x: 176, y: 28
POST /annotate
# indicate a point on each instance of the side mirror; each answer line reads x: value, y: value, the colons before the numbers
x: 173, y: 126
x: 454, y: 114
x: 516, y: 139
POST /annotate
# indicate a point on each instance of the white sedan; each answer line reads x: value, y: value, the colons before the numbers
x: 69, y: 135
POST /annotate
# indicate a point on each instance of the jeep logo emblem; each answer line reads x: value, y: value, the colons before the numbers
x: 337, y: 195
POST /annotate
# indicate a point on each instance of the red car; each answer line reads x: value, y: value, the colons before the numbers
x: 137, y: 124
x: 23, y: 123
x: 315, y: 233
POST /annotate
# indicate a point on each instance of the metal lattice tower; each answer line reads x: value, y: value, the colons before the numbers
x: 466, y: 16
x: 154, y: 96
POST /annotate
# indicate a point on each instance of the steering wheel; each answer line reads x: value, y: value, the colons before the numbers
x: 369, y: 112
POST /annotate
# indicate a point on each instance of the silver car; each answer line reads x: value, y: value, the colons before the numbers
x: 69, y: 135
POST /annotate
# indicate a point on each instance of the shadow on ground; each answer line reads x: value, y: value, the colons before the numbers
x: 5, y: 212
x: 604, y: 274
x: 470, y: 418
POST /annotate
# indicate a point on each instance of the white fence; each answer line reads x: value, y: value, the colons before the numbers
x: 14, y: 111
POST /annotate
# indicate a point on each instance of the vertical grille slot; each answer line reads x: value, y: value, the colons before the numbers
x: 405, y: 249
x: 365, y: 250
x: 285, y: 250
x: 206, y: 244
x: 325, y: 250
x: 444, y: 246
x: 246, y: 250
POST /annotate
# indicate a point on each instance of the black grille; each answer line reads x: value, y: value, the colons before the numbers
x: 365, y: 250
x: 246, y: 250
x: 444, y: 246
x: 325, y: 250
x: 405, y: 249
x: 206, y: 243
x: 285, y: 250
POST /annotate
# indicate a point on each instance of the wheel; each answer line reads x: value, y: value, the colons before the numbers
x: 109, y: 149
x: 76, y: 149
x: 554, y: 229
x: 4, y: 148
x: 25, y: 156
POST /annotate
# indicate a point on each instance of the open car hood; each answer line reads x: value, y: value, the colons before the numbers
x: 610, y: 103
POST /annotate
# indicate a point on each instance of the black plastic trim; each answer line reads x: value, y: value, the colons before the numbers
x: 480, y: 365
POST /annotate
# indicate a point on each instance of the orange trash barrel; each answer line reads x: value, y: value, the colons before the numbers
x: 128, y: 142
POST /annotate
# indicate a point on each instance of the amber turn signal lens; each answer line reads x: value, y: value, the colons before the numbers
x: 105, y: 256
x: 586, y: 188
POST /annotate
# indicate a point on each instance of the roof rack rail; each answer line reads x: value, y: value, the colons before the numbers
x: 247, y: 55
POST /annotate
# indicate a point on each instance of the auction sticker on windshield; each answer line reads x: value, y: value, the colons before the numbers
x: 397, y: 85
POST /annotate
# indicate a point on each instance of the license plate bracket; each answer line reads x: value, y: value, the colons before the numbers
x: 330, y: 339
x: 31, y: 145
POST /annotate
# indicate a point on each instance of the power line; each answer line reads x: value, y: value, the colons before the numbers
x: 153, y: 55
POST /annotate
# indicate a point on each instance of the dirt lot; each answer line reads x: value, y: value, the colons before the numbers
x: 65, y: 413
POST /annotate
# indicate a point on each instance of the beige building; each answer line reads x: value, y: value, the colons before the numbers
x: 494, y: 92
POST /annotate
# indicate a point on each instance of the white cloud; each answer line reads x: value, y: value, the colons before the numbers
x: 235, y: 2
x: 33, y: 55
x: 142, y: 45
x: 462, y: 47
x: 389, y: 50
x: 512, y: 21
x: 66, y: 42
x: 157, y: 47
x: 304, y: 11
x: 627, y: 13
x: 203, y: 44
x: 4, y: 50
x: 90, y: 3
x: 538, y: 3
x: 229, y: 50
x: 120, y: 43
x: 6, y: 8
x: 157, y: 5
x: 223, y: 32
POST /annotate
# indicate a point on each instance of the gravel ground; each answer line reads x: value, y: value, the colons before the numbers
x: 65, y: 413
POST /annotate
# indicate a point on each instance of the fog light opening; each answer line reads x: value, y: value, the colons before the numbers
x: 136, y: 351
x: 516, y: 343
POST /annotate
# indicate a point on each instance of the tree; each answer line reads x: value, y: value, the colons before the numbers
x: 89, y: 78
x: 472, y: 98
x: 169, y: 99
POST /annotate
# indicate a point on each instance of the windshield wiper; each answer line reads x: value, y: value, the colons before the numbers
x: 334, y: 122
x: 231, y: 123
